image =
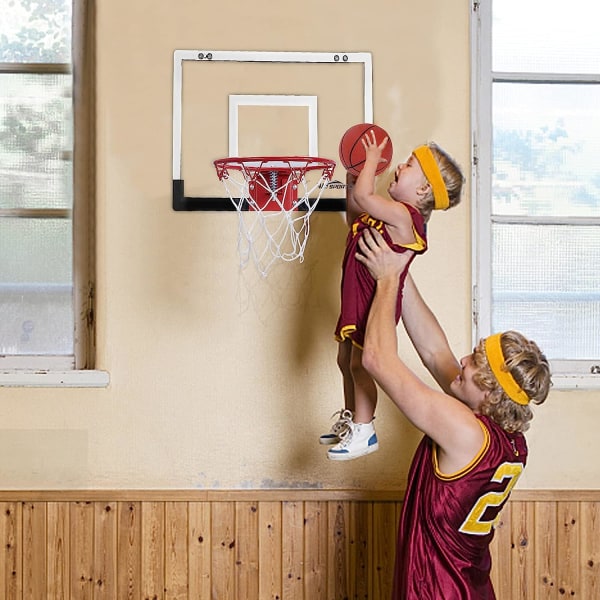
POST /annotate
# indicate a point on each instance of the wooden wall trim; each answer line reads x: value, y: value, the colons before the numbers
x: 264, y: 495
x: 299, y: 544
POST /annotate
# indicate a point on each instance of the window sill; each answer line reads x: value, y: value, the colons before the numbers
x: 101, y: 379
x: 575, y: 382
x: 83, y: 379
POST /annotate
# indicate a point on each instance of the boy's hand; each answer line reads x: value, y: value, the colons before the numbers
x: 379, y: 258
x: 372, y: 150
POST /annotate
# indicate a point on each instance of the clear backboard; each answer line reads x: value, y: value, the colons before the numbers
x: 244, y: 103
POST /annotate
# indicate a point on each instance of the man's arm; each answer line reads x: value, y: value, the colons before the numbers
x: 422, y: 326
x: 428, y: 337
x: 414, y: 398
x: 449, y: 422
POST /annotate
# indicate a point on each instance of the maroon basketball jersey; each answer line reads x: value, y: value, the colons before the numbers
x: 448, y: 521
x: 358, y: 285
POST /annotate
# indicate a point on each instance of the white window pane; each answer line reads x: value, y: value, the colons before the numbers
x: 34, y: 31
x: 35, y: 286
x: 546, y: 284
x: 35, y: 141
x: 546, y: 143
x: 546, y: 36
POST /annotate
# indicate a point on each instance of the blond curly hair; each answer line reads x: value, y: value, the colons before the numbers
x: 529, y: 368
x: 452, y: 176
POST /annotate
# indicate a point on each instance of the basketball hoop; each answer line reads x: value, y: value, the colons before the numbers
x: 274, y: 198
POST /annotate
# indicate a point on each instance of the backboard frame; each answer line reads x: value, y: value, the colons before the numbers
x: 181, y: 202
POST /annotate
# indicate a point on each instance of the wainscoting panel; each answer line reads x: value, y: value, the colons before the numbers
x: 269, y: 545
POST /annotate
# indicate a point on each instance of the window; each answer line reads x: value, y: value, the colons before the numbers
x: 46, y: 186
x: 536, y: 192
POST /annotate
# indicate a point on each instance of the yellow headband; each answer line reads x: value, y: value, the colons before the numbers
x: 432, y: 173
x: 495, y: 357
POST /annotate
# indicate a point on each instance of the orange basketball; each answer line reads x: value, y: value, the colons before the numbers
x: 352, y: 151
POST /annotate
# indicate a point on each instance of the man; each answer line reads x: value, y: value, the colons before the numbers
x: 473, y: 450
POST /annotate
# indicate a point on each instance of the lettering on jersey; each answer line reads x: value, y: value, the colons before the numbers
x: 475, y: 524
x: 369, y: 221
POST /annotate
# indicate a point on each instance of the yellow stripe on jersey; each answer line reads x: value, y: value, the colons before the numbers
x: 417, y: 245
x: 346, y: 334
x: 470, y: 466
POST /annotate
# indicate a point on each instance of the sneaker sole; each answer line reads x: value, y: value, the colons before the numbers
x: 348, y: 456
x: 329, y: 441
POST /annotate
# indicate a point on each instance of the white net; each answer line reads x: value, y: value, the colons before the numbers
x: 274, y: 199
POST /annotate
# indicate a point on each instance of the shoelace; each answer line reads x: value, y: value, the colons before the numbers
x: 346, y: 435
x: 343, y: 422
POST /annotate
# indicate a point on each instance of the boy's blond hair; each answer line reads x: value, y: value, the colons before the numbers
x: 452, y: 176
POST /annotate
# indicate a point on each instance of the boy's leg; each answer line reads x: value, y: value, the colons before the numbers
x: 365, y: 390
x: 344, y: 361
x: 360, y: 439
x: 343, y: 416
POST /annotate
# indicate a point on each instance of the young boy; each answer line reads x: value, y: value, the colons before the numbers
x: 429, y: 180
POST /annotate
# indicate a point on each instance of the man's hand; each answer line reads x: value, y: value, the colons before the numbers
x: 379, y: 258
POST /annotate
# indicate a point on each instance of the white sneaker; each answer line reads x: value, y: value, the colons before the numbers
x: 341, y: 425
x: 358, y: 440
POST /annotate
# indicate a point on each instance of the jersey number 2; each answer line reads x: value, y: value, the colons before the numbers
x: 474, y: 523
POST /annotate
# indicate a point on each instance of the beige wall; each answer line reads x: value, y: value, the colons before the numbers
x: 219, y: 379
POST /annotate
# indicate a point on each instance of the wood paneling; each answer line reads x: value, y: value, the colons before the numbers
x: 269, y: 545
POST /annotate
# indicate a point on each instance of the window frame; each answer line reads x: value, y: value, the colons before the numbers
x: 567, y: 374
x: 78, y: 370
